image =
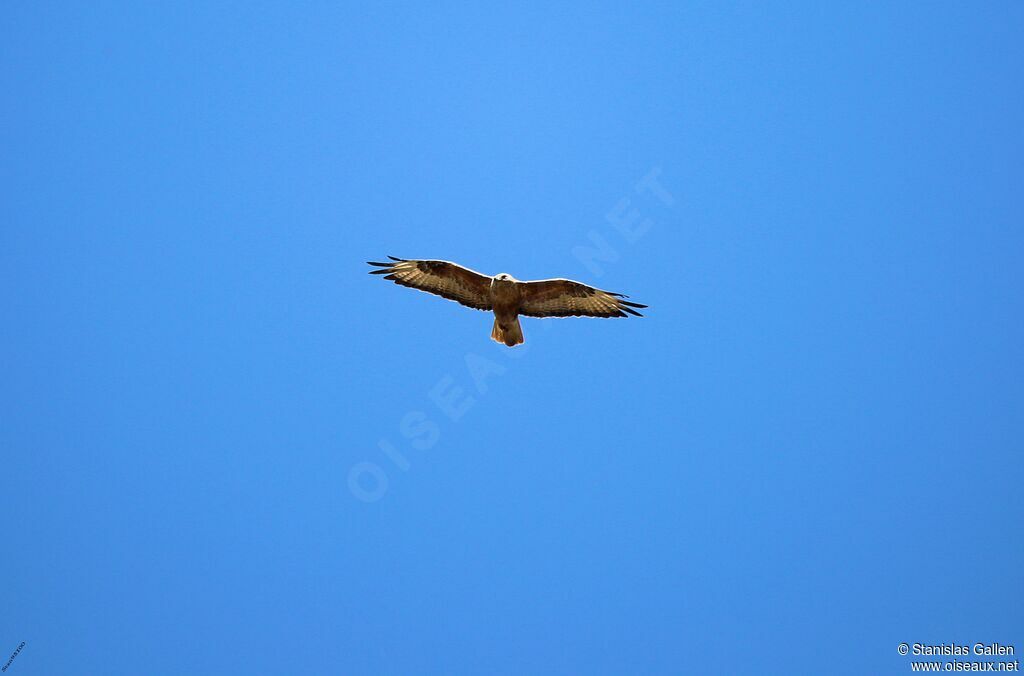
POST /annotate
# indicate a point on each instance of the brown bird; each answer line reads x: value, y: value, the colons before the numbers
x: 506, y: 296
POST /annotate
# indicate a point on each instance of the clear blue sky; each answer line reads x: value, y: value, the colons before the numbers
x: 807, y: 452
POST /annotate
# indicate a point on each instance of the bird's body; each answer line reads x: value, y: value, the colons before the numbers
x: 506, y: 296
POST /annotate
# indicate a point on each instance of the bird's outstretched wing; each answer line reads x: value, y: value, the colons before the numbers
x: 566, y: 298
x: 449, y: 280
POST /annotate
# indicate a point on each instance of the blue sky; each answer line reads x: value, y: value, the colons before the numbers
x: 808, y: 452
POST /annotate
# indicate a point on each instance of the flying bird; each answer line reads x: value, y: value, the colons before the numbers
x: 506, y: 296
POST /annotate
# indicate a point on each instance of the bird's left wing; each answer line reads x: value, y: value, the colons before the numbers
x: 566, y: 298
x: 445, y: 279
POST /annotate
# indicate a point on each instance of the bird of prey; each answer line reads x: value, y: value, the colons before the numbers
x: 506, y: 296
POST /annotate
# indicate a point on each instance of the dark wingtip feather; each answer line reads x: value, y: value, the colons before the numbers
x: 383, y: 271
x: 400, y: 260
x: 625, y: 302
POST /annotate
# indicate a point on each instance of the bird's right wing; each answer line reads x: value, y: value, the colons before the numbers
x: 566, y: 298
x: 445, y: 279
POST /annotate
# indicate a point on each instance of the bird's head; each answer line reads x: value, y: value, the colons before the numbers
x: 504, y: 277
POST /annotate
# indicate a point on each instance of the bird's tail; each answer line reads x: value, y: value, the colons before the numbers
x: 508, y: 332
